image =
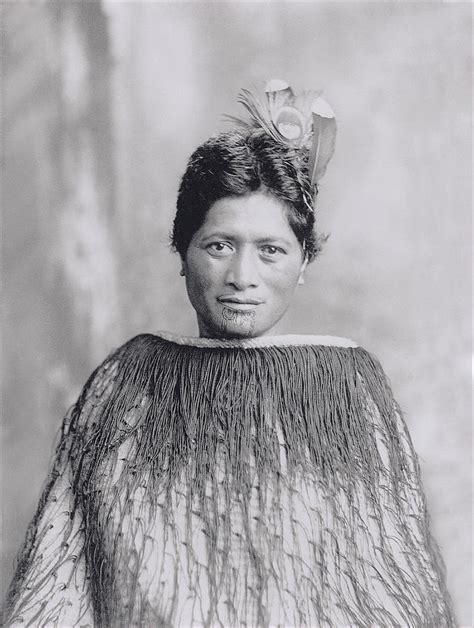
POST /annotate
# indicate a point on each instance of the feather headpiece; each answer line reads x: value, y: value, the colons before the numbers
x: 304, y: 122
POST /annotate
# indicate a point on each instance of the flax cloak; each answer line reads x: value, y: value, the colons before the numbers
x: 263, y: 482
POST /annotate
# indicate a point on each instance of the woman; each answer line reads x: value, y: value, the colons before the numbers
x: 238, y: 478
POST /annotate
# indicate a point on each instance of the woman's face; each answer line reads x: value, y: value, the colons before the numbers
x: 242, y: 266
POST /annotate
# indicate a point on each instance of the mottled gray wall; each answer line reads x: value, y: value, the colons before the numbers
x: 103, y: 105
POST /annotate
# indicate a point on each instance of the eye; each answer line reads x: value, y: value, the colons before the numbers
x: 270, y: 250
x: 219, y: 249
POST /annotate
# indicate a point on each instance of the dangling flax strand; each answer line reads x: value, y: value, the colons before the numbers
x: 240, y: 485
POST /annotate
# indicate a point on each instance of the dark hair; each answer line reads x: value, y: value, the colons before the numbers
x: 239, y: 162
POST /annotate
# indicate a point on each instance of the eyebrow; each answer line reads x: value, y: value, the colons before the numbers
x: 274, y: 239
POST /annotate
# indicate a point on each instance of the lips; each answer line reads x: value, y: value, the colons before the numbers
x: 239, y: 302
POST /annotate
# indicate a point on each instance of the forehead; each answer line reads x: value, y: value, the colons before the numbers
x: 257, y: 214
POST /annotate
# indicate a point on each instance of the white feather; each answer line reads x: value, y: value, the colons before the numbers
x: 324, y: 139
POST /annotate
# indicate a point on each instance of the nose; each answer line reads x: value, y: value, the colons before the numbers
x: 242, y: 271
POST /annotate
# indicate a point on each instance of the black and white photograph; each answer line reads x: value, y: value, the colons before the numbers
x: 237, y: 351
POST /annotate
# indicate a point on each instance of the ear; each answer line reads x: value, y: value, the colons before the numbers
x: 182, y: 272
x: 302, y: 269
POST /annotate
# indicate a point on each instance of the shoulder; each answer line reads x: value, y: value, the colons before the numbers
x: 106, y: 374
x: 139, y: 345
x: 140, y: 341
x: 118, y: 381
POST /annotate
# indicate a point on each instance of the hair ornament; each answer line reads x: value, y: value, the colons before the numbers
x: 304, y: 122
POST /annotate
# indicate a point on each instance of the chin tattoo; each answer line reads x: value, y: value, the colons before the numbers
x: 232, y: 318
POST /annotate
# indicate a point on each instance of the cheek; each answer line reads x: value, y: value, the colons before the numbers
x: 283, y: 281
x: 202, y: 275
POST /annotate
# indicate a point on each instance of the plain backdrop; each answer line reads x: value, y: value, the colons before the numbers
x: 103, y: 104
